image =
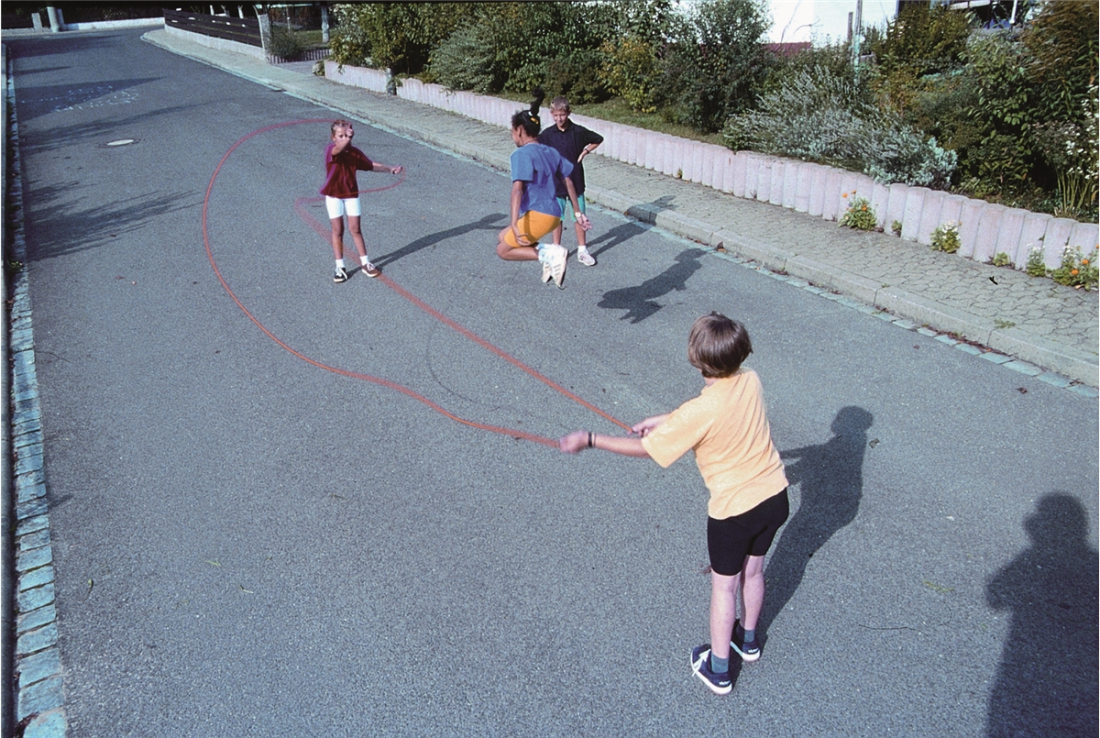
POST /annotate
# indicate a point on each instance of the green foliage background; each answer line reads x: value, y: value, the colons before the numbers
x: 1008, y: 115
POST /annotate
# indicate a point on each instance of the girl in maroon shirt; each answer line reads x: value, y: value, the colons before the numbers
x: 341, y: 191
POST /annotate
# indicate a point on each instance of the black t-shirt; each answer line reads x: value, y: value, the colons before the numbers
x: 570, y: 143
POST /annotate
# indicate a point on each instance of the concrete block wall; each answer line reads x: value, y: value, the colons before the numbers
x: 985, y: 229
x: 216, y: 43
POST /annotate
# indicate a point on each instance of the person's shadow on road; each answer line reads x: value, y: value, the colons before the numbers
x: 612, y: 238
x: 830, y: 479
x: 1046, y: 683
x: 490, y: 222
x: 639, y: 302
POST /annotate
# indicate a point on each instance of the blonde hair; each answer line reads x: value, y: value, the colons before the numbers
x: 341, y: 123
x: 560, y: 103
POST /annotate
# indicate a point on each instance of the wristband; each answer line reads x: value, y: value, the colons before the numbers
x: 578, y: 214
x: 591, y: 440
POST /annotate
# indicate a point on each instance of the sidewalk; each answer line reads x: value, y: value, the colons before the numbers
x: 1001, y: 314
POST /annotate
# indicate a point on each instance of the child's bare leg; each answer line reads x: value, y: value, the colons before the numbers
x: 723, y: 611
x: 357, y: 236
x: 752, y: 591
x: 580, y: 235
x: 557, y: 233
x: 337, y: 237
x: 506, y: 252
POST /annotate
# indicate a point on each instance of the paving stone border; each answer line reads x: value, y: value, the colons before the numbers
x: 869, y: 308
x: 39, y: 688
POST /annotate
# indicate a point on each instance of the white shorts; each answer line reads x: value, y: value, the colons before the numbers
x: 337, y: 207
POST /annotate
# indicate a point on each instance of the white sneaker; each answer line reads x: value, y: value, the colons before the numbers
x: 585, y: 258
x: 544, y: 259
x: 557, y: 257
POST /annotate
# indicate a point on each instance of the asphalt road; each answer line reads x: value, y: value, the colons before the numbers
x: 246, y: 543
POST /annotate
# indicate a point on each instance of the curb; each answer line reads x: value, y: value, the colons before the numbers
x: 39, y: 695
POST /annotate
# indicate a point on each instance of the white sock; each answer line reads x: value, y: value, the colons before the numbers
x: 339, y: 263
x: 364, y: 260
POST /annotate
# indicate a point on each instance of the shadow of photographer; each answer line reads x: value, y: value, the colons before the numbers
x: 1046, y: 683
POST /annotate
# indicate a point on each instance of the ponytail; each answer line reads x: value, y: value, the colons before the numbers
x: 528, y: 119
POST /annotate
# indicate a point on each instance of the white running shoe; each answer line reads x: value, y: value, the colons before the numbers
x: 544, y: 260
x: 585, y: 258
x: 558, y: 256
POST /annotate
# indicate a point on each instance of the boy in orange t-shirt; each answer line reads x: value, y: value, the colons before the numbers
x: 727, y: 427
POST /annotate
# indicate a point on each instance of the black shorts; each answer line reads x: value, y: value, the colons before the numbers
x: 751, y: 533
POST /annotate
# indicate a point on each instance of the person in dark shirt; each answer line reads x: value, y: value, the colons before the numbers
x: 574, y: 142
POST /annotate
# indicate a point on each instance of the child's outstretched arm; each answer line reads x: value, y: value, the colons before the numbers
x: 578, y: 441
x: 377, y: 167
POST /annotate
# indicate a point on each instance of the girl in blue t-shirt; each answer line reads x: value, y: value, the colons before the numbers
x: 536, y: 169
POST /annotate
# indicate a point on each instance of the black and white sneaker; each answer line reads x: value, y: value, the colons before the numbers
x: 341, y: 275
x: 700, y: 666
x: 749, y: 650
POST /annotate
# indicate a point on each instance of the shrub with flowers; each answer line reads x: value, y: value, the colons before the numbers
x: 859, y: 214
x: 946, y: 237
x: 1077, y: 271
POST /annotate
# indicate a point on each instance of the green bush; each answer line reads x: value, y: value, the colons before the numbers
x: 895, y: 152
x: 922, y: 42
x: 628, y: 70
x: 349, y: 42
x: 576, y: 75
x: 716, y: 65
x: 1001, y: 112
x: 517, y: 46
x: 1062, y: 44
x: 818, y: 115
x: 396, y: 36
x: 465, y: 60
x: 285, y: 43
x: 836, y: 58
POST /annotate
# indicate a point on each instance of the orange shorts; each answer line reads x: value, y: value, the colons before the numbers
x: 533, y: 226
